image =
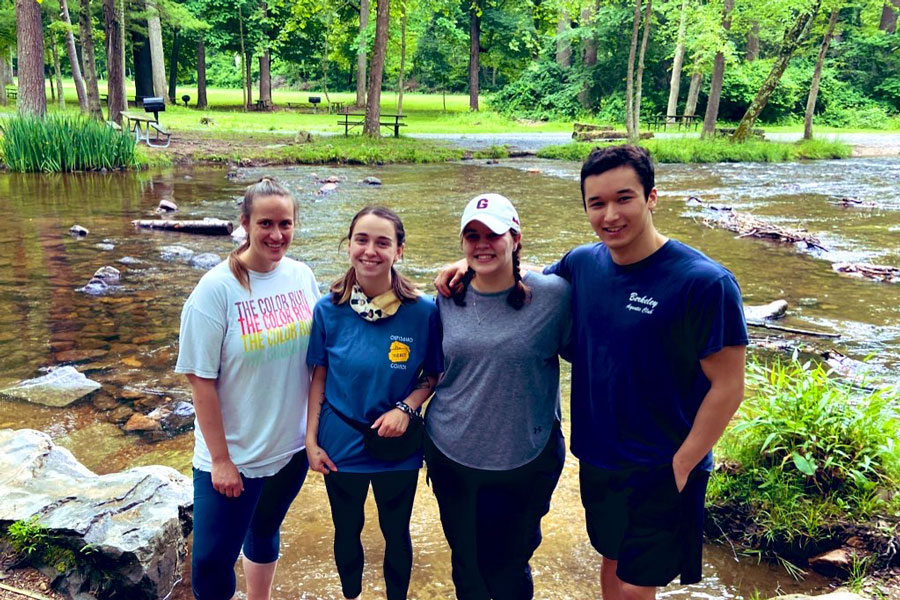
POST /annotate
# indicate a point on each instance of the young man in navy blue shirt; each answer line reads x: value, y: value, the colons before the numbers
x: 657, y: 373
x: 658, y: 361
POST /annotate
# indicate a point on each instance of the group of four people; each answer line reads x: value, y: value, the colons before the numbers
x: 653, y: 328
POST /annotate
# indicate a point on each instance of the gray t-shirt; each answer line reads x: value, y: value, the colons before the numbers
x: 498, y: 400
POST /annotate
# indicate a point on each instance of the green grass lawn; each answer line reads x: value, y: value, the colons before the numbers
x: 424, y: 113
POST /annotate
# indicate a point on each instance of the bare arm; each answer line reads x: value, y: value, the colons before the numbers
x: 318, y: 459
x: 394, y: 422
x: 225, y: 477
x: 450, y: 276
x: 725, y: 371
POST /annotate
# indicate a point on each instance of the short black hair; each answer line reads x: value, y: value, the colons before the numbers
x: 602, y: 160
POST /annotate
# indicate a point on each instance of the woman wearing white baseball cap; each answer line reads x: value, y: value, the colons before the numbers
x: 494, y: 448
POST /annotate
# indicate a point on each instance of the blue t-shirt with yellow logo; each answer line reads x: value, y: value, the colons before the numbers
x: 372, y: 365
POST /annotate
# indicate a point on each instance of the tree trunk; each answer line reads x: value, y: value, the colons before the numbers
x: 792, y: 40
x: 57, y: 72
x: 588, y: 58
x: 89, y: 59
x: 5, y: 79
x: 248, y: 73
x: 157, y: 56
x: 201, y: 73
x: 142, y: 61
x: 120, y: 11
x: 361, y: 54
x: 116, y: 69
x: 889, y: 16
x: 400, y: 83
x: 373, y: 103
x: 677, y: 63
x: 245, y: 87
x: 753, y: 42
x: 563, y: 46
x: 325, y: 67
x: 52, y: 87
x: 817, y: 76
x: 474, y: 52
x: 265, y: 78
x: 639, y: 85
x: 629, y: 81
x: 30, y: 43
x: 73, y: 56
x: 173, y: 65
x: 690, y: 107
x: 715, y: 86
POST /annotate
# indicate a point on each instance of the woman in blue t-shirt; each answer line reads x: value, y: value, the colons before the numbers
x: 375, y: 350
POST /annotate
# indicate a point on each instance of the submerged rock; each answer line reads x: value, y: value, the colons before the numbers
x: 166, y: 206
x: 180, y: 418
x: 175, y: 253
x: 109, y: 275
x: 207, y: 260
x: 327, y: 189
x: 60, y: 387
x: 239, y: 235
x: 371, y: 181
x: 105, y: 246
x: 773, y: 310
x: 841, y: 594
x: 331, y: 179
x: 130, y: 260
x: 78, y: 231
x: 139, y: 422
x: 134, y: 521
x: 94, y: 287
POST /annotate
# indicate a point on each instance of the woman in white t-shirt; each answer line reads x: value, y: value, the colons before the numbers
x: 244, y: 335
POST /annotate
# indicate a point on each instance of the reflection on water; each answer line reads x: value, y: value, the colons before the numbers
x: 127, y: 340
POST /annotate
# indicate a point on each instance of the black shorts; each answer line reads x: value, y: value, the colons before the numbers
x: 638, y: 517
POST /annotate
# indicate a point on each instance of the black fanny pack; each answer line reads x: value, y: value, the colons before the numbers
x: 388, y: 448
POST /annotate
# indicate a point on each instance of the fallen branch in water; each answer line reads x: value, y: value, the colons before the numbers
x: 884, y: 274
x: 767, y: 325
x: 746, y: 225
x: 204, y: 227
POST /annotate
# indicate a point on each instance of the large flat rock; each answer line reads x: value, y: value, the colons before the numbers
x: 135, y: 521
x: 60, y: 387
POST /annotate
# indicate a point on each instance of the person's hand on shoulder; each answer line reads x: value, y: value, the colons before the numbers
x: 450, y: 276
x: 226, y: 479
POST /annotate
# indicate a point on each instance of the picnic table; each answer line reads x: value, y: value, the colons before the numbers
x: 657, y: 121
x: 12, y: 92
x: 333, y: 107
x: 141, y: 123
x: 351, y: 120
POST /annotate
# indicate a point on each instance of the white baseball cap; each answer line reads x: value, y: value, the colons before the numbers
x: 494, y: 210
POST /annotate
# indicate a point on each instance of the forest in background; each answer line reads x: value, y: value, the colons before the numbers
x: 612, y: 60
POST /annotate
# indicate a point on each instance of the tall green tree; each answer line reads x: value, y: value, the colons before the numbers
x: 32, y: 97
x: 372, y: 127
x: 817, y: 73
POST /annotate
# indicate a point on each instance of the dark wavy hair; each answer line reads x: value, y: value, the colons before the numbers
x: 602, y: 160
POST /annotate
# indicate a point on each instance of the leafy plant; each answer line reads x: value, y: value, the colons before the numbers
x: 63, y: 143
x: 808, y: 451
x: 27, y: 537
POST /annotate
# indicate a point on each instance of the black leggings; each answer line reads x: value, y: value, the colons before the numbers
x: 492, y: 519
x: 394, y: 494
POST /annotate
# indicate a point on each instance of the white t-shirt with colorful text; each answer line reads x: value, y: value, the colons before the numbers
x: 253, y: 343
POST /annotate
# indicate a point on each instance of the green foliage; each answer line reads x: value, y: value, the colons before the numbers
x: 692, y: 150
x: 346, y: 150
x: 543, y: 91
x: 63, y: 143
x: 27, y: 537
x: 808, y: 451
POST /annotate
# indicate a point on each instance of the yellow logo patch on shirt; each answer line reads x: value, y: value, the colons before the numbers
x: 399, y: 352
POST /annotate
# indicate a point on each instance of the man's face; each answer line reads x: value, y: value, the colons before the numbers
x: 619, y: 212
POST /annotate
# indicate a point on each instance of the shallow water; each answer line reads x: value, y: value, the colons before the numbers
x: 127, y: 339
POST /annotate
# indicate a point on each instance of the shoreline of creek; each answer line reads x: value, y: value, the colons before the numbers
x: 260, y: 149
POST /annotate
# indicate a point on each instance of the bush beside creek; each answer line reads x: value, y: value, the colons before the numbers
x: 690, y: 150
x: 809, y: 463
x: 64, y: 143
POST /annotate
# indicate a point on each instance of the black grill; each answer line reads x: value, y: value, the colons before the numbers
x: 154, y: 105
x: 315, y: 99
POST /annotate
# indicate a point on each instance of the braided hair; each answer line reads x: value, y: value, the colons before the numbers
x: 518, y: 295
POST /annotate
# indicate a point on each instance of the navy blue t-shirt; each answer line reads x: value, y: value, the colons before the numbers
x: 640, y: 331
x: 371, y: 367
